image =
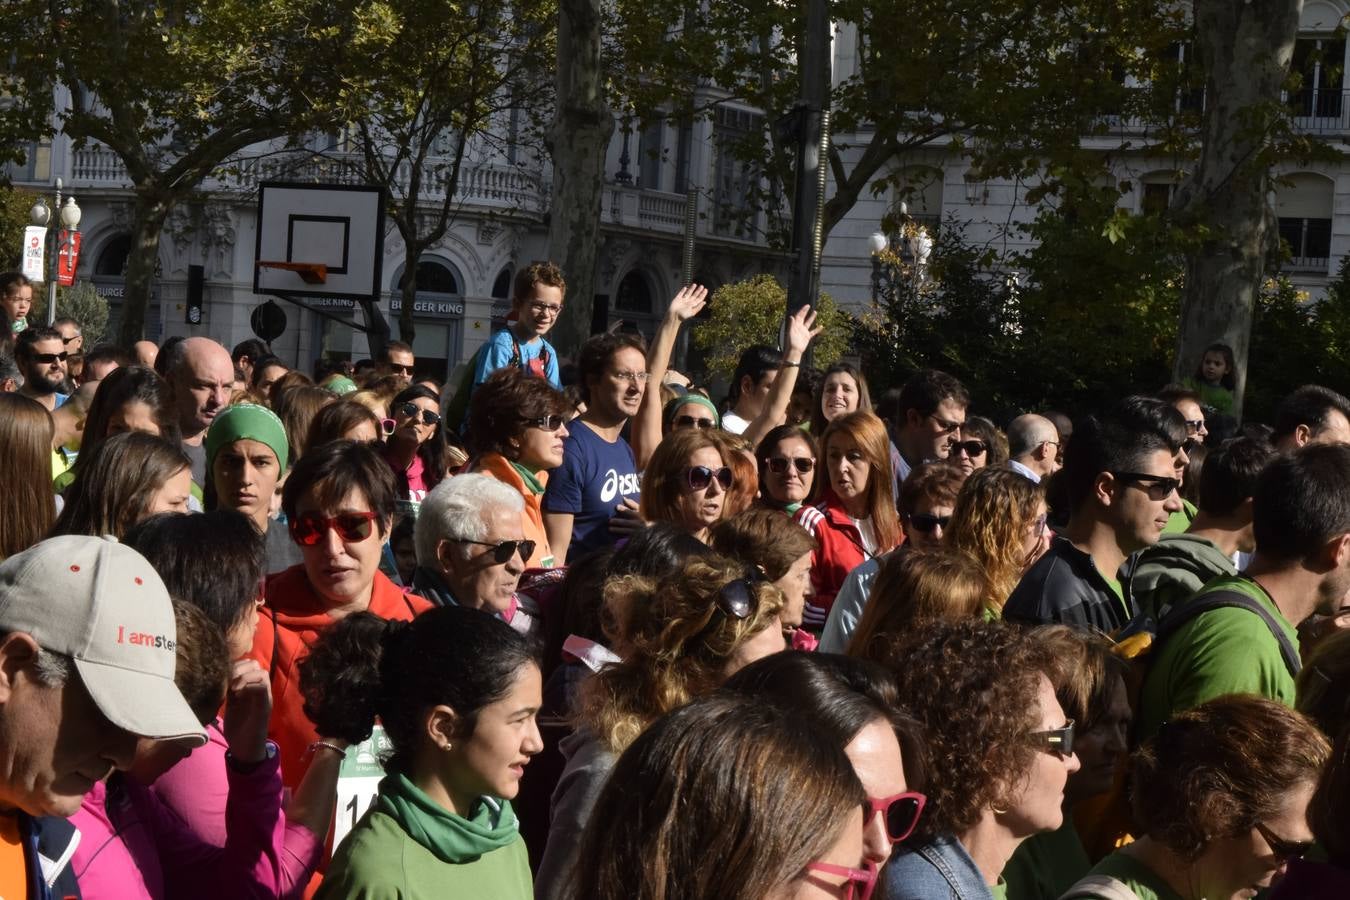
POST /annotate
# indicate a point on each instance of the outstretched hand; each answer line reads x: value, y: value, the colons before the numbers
x: 248, y: 707
x: 801, y: 330
x: 688, y: 303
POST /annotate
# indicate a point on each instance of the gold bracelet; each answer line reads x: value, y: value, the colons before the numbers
x: 327, y: 746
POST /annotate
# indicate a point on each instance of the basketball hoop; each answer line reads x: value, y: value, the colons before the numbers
x: 310, y: 273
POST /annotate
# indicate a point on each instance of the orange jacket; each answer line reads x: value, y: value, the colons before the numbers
x: 494, y: 465
x: 289, y: 624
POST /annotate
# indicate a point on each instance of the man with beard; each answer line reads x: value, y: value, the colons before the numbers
x: 41, y: 355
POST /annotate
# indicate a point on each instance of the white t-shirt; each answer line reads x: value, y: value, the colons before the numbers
x: 734, y: 423
x: 867, y: 533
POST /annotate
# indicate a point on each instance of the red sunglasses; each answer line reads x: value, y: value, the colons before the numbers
x: 309, y: 529
x: 861, y: 882
x: 900, y: 812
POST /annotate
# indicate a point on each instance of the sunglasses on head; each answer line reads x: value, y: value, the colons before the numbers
x: 778, y: 465
x: 504, y: 550
x: 387, y: 426
x: 736, y: 599
x: 861, y: 882
x: 1158, y: 487
x: 410, y: 411
x: 699, y: 477
x: 900, y: 812
x: 546, y: 423
x: 693, y: 422
x: 927, y: 522
x: 1056, y: 740
x: 970, y: 448
x: 49, y: 358
x: 308, y: 529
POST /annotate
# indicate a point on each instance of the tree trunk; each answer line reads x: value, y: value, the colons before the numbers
x: 580, y: 135
x: 1246, y: 49
x: 147, y: 225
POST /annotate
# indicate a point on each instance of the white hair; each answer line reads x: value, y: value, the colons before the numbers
x: 51, y: 669
x: 454, y: 510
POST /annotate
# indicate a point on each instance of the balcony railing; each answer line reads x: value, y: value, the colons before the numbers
x: 499, y: 187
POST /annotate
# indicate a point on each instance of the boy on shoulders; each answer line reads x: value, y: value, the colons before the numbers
x: 536, y: 301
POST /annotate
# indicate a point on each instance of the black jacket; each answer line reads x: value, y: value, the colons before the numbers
x: 1065, y: 587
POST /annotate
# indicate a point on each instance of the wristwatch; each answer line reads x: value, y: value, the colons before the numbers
x: 249, y: 768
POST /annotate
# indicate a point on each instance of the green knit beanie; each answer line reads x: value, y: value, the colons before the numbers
x: 246, y: 422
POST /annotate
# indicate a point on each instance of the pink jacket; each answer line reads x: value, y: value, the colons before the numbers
x: 134, y: 847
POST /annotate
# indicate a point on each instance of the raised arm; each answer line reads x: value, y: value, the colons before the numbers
x: 646, y: 431
x: 801, y: 330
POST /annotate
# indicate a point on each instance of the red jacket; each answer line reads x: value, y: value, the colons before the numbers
x: 290, y: 622
x: 840, y: 551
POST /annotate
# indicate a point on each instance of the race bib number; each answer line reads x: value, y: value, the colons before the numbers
x: 359, y: 782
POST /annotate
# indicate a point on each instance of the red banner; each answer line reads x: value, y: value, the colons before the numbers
x: 68, y: 258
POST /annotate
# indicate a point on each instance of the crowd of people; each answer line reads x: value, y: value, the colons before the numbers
x: 606, y: 635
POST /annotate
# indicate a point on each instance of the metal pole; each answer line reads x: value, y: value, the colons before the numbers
x: 813, y: 136
x: 56, y: 257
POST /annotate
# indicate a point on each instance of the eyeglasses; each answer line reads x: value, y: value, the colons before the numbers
x: 778, y: 465
x: 1284, y: 849
x: 1056, y: 740
x: 635, y: 377
x: 945, y: 426
x: 73, y: 337
x: 693, y: 422
x: 308, y: 529
x: 410, y: 411
x: 927, y: 522
x: 1194, y: 425
x: 1158, y: 487
x: 901, y: 813
x: 549, y: 309
x: 398, y: 369
x: 969, y: 448
x: 503, y: 551
x: 546, y: 423
x: 699, y: 477
x: 49, y: 358
x: 861, y: 882
x: 387, y: 426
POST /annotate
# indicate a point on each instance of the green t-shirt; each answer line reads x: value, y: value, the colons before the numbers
x: 1215, y: 396
x: 1223, y: 651
x: 1047, y: 864
x: 1146, y: 884
x: 1000, y: 890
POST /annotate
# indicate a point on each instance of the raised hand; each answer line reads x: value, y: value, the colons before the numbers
x: 688, y: 303
x: 801, y: 330
x: 248, y: 707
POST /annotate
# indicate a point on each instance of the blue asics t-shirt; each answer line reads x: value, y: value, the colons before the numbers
x: 594, y: 478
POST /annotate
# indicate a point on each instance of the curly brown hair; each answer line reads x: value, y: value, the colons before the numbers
x: 974, y: 687
x: 1219, y: 769
x: 916, y: 586
x: 678, y: 643
x: 503, y: 404
x: 993, y: 512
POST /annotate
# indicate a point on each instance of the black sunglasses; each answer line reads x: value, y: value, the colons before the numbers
x: 735, y: 599
x: 546, y: 423
x: 1158, y: 487
x: 927, y: 522
x: 778, y: 465
x: 693, y: 422
x: 49, y: 358
x: 969, y: 448
x: 410, y: 410
x: 1056, y: 740
x: 503, y: 551
x: 1284, y: 849
x: 699, y: 477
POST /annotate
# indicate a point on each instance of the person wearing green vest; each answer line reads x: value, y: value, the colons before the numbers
x: 1179, y: 565
x: 456, y: 692
x: 1121, y: 474
x: 1221, y: 796
x: 1301, y: 567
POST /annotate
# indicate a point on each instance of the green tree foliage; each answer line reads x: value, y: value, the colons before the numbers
x: 80, y: 302
x: 751, y: 312
x: 14, y: 207
x: 176, y: 89
x: 1297, y: 342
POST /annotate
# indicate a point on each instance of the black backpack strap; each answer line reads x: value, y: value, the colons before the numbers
x: 1203, y: 603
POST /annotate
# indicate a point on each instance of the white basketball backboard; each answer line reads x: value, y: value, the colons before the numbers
x: 338, y: 226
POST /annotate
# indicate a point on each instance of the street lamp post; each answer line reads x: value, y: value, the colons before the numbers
x: 69, y: 219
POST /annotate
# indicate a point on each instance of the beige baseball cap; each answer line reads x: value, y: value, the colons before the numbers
x: 100, y: 603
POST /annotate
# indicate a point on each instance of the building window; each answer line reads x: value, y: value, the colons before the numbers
x: 433, y: 278
x: 1321, y: 62
x: 1309, y: 242
x: 1157, y: 197
x: 634, y: 295
x: 735, y: 181
x: 501, y: 288
x: 651, y: 154
x: 1303, y: 203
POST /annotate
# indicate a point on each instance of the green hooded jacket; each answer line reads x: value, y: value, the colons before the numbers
x: 1173, y: 570
x: 408, y: 847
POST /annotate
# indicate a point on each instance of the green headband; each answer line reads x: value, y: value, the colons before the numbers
x: 247, y: 422
x: 698, y: 400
